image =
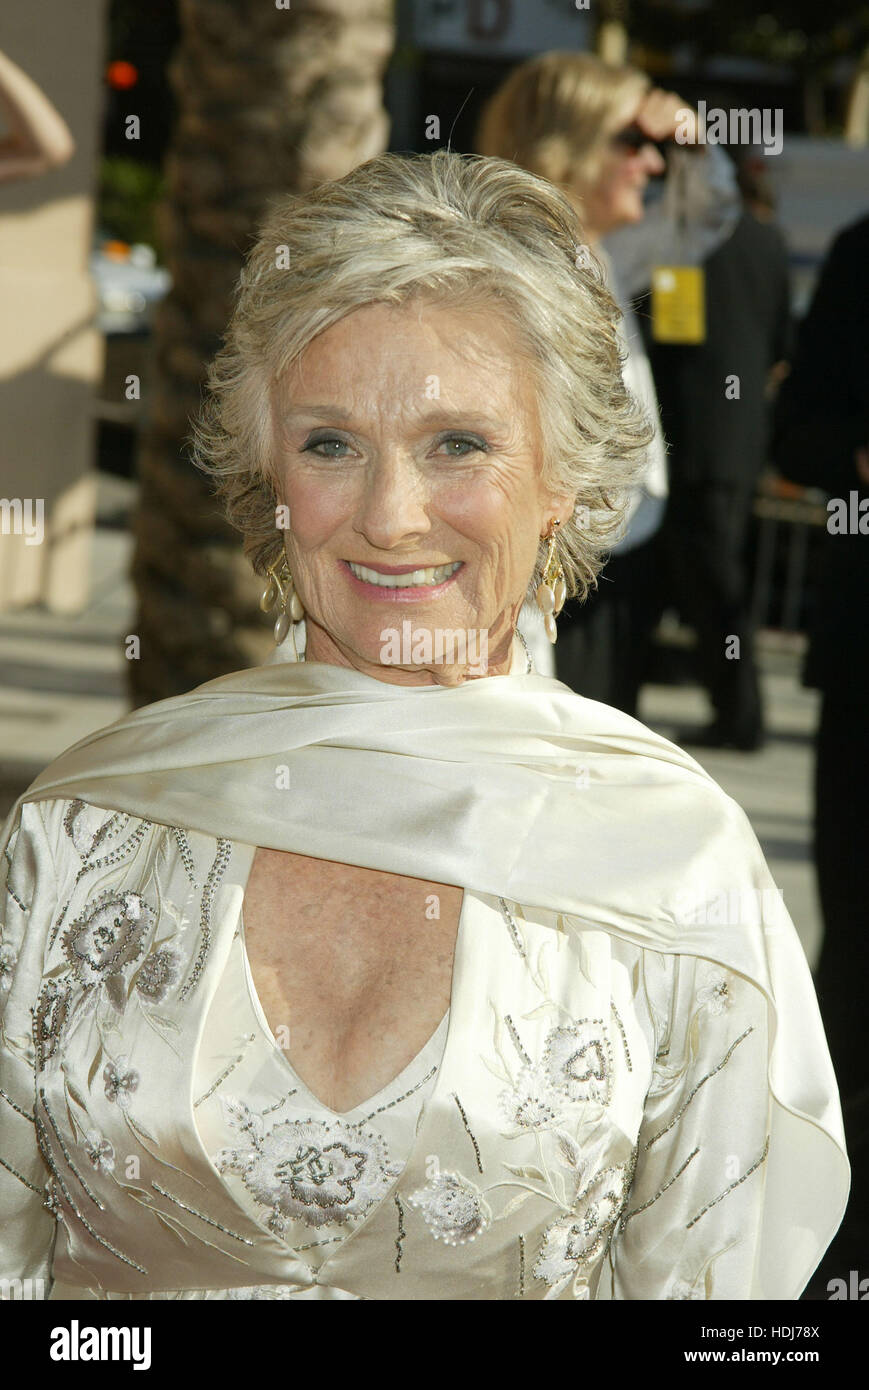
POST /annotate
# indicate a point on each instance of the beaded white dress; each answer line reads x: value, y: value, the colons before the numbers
x: 590, y: 1120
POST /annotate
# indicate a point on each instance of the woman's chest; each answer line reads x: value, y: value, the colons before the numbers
x: 352, y: 967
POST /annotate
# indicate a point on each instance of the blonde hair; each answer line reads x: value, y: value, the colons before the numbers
x: 457, y: 229
x: 553, y: 115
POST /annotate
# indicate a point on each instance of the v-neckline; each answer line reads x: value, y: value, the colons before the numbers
x: 244, y: 854
x: 242, y: 858
x: 350, y: 1116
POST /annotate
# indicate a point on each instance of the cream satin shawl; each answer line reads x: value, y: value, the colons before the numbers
x: 511, y: 786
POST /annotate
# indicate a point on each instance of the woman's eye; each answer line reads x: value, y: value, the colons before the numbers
x: 455, y: 446
x: 326, y: 447
x: 458, y: 446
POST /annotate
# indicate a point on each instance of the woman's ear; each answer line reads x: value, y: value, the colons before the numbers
x: 559, y: 505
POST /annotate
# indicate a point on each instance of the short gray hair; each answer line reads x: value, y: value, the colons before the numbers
x: 454, y: 228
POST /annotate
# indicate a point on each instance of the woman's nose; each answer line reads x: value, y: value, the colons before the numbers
x: 653, y: 161
x: 393, y: 507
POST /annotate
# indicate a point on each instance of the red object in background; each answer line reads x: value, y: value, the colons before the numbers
x: 122, y: 75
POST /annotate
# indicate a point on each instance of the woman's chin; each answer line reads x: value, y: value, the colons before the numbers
x: 632, y: 211
x: 410, y: 643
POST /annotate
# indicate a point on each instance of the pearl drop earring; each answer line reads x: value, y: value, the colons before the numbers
x: 552, y: 589
x: 280, y: 586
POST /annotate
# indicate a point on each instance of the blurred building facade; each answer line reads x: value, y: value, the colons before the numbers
x: 50, y: 346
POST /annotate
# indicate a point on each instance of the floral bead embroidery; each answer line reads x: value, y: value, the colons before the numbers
x: 573, y: 1241
x: 107, y: 938
x: 532, y: 1102
x: 454, y: 1209
x: 158, y: 973
x: 578, y: 1061
x: 8, y: 957
x: 99, y: 1151
x: 87, y: 826
x: 576, y: 1067
x: 309, y: 1170
x: 120, y: 1081
x: 715, y: 996
x: 49, y: 1020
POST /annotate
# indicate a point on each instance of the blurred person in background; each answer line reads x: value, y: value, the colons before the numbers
x: 822, y: 440
x: 37, y: 138
x: 601, y: 133
x: 714, y: 399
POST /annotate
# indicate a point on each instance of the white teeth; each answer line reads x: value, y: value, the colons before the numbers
x: 416, y: 579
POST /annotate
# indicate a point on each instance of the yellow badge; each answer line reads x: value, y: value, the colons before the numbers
x: 678, y: 304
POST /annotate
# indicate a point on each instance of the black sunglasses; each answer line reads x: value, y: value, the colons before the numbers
x: 632, y: 138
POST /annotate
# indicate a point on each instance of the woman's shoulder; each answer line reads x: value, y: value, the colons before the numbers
x: 67, y: 823
x: 74, y: 837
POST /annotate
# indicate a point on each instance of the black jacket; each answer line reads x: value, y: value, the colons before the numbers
x: 713, y: 438
x: 821, y: 418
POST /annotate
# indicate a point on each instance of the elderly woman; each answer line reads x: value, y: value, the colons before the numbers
x: 400, y: 971
x: 600, y: 133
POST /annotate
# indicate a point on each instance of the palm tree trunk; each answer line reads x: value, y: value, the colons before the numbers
x: 270, y: 100
x: 857, y: 114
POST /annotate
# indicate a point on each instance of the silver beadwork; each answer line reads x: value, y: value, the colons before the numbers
x: 720, y: 1198
x: 469, y: 1132
x: 702, y: 1082
x: 215, y: 873
x: 623, y: 1033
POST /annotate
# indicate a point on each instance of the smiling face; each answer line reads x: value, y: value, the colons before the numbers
x: 616, y: 196
x: 408, y: 450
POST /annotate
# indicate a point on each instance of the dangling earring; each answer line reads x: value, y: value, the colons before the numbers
x: 280, y: 585
x: 552, y: 589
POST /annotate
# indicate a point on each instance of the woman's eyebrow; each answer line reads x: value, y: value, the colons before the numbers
x: 324, y: 411
x: 465, y: 417
x: 441, y: 416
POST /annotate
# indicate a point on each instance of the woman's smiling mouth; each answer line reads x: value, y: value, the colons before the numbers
x: 402, y: 581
